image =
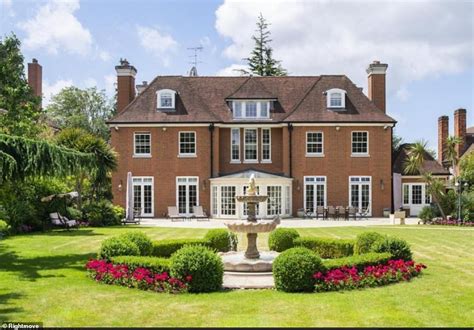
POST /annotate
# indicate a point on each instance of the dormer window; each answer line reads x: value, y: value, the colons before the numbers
x: 166, y: 99
x: 336, y: 98
x: 251, y: 109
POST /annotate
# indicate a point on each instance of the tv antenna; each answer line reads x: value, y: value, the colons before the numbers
x: 195, y: 55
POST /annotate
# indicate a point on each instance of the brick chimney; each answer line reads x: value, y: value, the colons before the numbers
x: 125, y: 84
x: 460, y: 129
x: 376, y: 76
x: 443, y: 133
x: 35, y: 77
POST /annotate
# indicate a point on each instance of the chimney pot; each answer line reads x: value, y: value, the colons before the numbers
x: 376, y: 83
x: 35, y: 77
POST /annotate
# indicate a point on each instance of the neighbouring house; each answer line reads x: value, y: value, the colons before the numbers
x: 310, y: 141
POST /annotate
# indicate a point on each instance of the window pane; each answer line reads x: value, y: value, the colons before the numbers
x: 359, y: 142
x: 235, y: 143
x: 274, y: 200
x: 142, y: 143
x: 406, y: 192
x: 264, y: 109
x: 237, y: 109
x: 251, y: 109
x: 147, y: 200
x: 182, y: 199
x: 187, y: 143
x: 228, y: 200
x: 336, y: 100
x: 214, y: 200
x: 251, y: 144
x: 416, y: 194
x: 166, y: 100
x: 266, y: 149
x: 314, y: 143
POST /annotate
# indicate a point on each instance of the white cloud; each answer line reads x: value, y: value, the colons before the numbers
x: 158, y: 43
x: 109, y: 81
x: 418, y: 39
x: 205, y: 41
x: 232, y: 70
x: 50, y: 90
x: 55, y: 28
x: 90, y: 82
x: 6, y: 6
x: 104, y: 55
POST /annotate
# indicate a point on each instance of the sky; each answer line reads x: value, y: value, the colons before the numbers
x: 428, y: 45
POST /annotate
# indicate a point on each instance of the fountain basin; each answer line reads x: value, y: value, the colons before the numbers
x: 242, y: 226
x: 251, y: 198
x: 237, y: 262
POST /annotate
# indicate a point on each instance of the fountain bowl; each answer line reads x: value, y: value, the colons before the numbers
x: 244, y: 226
x: 237, y: 262
x: 251, y: 198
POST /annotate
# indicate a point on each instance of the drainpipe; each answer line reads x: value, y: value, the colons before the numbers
x: 211, y: 131
x: 290, y: 129
x: 392, y: 206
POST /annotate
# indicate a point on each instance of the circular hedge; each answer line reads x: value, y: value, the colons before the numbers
x: 118, y: 246
x: 282, y: 239
x: 222, y: 240
x: 364, y: 242
x: 205, y: 267
x: 143, y: 242
x: 398, y: 248
x: 293, y: 270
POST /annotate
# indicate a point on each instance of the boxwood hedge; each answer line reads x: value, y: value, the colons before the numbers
x: 327, y: 248
x: 156, y: 265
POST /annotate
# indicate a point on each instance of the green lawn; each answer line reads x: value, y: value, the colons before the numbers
x: 42, y: 279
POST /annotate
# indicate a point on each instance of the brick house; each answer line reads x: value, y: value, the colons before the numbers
x: 309, y: 140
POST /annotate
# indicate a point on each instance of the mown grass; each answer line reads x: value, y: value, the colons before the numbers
x: 42, y: 279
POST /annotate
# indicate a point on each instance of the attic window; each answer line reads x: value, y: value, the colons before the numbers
x: 336, y: 98
x: 251, y: 109
x: 166, y: 99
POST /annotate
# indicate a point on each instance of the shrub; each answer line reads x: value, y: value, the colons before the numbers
x: 156, y: 265
x: 426, y: 213
x: 166, y: 248
x: 222, y: 240
x: 327, y: 248
x: 117, y: 246
x: 358, y: 261
x: 204, y: 265
x: 4, y: 229
x: 102, y: 213
x: 398, y: 248
x: 293, y: 270
x: 143, y: 242
x: 73, y: 213
x: 364, y: 241
x: 282, y: 239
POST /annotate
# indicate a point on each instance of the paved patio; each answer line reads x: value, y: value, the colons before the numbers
x: 292, y: 222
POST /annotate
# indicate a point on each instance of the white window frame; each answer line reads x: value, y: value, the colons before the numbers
x: 269, y: 144
x: 140, y: 155
x: 410, y: 194
x: 158, y: 98
x: 319, y: 180
x: 315, y: 154
x: 329, y: 94
x: 243, y: 105
x: 187, y: 155
x: 187, y: 183
x: 360, y: 154
x: 360, y: 182
x: 235, y: 161
x: 142, y: 184
x: 251, y: 161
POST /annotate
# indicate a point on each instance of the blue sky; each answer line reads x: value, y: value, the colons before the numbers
x: 429, y: 46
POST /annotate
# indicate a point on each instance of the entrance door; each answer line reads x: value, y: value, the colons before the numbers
x: 143, y: 195
x: 360, y: 195
x: 415, y: 197
x: 314, y: 192
x: 186, y: 194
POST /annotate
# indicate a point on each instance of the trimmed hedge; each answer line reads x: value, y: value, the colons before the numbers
x: 358, y: 261
x: 327, y: 248
x: 293, y: 270
x: 166, y: 248
x: 221, y: 240
x: 156, y: 265
x: 117, y: 246
x: 143, y: 242
x: 282, y: 239
x: 203, y: 264
x: 364, y: 242
x: 397, y: 247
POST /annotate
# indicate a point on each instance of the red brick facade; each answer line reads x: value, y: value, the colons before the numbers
x: 460, y: 129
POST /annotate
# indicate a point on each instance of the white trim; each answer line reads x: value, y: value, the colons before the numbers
x: 360, y: 154
x: 314, y: 154
x: 158, y: 99
x: 243, y: 125
x: 267, y: 161
x: 187, y: 155
x: 142, y: 197
x: 142, y: 155
x: 187, y: 184
x: 342, y: 124
x: 336, y: 91
x: 250, y: 161
x: 126, y: 72
x: 360, y: 190
x: 235, y: 161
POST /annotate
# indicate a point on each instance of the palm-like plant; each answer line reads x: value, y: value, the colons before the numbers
x: 451, y: 153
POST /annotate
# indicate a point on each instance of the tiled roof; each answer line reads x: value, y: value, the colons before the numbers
x: 429, y: 165
x: 470, y: 130
x: 299, y: 99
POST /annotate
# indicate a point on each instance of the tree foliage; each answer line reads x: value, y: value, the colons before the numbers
x: 466, y: 167
x: 261, y: 61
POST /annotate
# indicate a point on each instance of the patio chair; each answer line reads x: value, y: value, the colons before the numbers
x: 199, y: 214
x: 351, y: 212
x: 173, y: 214
x: 341, y: 212
x: 364, y: 212
x: 332, y: 212
x: 62, y: 221
x: 320, y: 211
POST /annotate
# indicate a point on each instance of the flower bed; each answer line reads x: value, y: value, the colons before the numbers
x: 141, y: 278
x: 347, y: 278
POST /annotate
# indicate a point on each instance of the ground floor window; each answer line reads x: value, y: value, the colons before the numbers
x: 415, y: 197
x: 314, y: 192
x: 360, y: 192
x: 187, y: 194
x: 227, y: 201
x: 274, y: 202
x: 143, y: 195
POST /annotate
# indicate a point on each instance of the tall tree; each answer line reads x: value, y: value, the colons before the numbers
x: 261, y: 61
x: 21, y: 108
x: 451, y: 153
x: 87, y: 109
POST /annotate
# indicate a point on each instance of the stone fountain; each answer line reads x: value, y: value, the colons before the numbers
x: 251, y: 260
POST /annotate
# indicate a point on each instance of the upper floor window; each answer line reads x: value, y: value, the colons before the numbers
x: 235, y: 145
x: 166, y: 99
x: 142, y: 144
x: 314, y: 144
x: 360, y: 143
x: 336, y: 98
x: 187, y: 143
x: 250, y: 145
x: 266, y: 145
x: 250, y: 109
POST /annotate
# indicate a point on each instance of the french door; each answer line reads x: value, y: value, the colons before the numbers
x: 143, y: 195
x: 415, y: 197
x: 360, y: 193
x: 314, y: 192
x: 187, y: 194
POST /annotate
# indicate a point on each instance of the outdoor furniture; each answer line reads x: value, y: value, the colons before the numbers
x: 352, y: 212
x: 59, y: 220
x: 136, y: 216
x: 199, y: 213
x: 320, y: 211
x: 304, y: 213
x: 399, y: 215
x: 332, y: 212
x: 341, y: 212
x: 364, y: 213
x: 173, y: 214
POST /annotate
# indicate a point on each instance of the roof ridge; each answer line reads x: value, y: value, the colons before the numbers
x: 302, y: 99
x: 238, y: 89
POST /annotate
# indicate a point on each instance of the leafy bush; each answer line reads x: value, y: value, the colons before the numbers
x: 426, y: 213
x: 398, y: 248
x: 156, y: 265
x: 358, y: 261
x: 73, y: 213
x: 117, y: 246
x: 448, y: 203
x: 4, y: 229
x: 327, y: 248
x: 293, y: 270
x: 143, y: 242
x: 282, y: 239
x: 364, y: 242
x: 204, y: 265
x: 102, y: 213
x: 166, y: 248
x: 222, y: 240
